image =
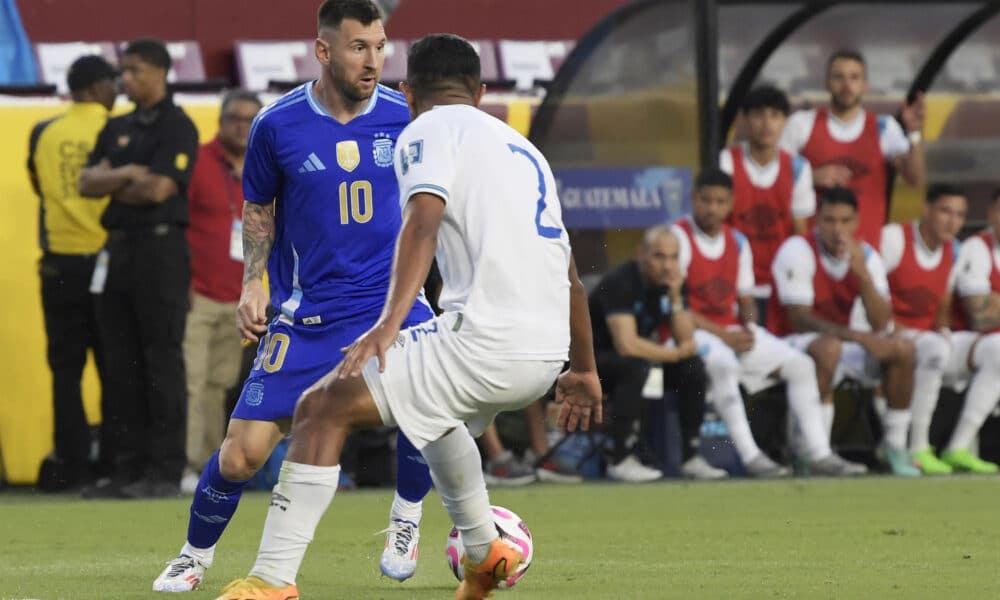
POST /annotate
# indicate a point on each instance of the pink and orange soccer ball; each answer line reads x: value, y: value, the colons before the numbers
x: 512, y: 530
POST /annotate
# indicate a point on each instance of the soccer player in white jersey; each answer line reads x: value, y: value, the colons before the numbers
x: 718, y: 264
x: 773, y: 195
x: 976, y: 341
x: 484, y: 198
x: 818, y: 278
x: 919, y: 258
x: 850, y: 147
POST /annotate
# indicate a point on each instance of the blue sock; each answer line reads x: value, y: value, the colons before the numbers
x: 214, y: 504
x: 413, y: 478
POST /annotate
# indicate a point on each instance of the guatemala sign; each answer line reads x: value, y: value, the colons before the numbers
x: 627, y: 198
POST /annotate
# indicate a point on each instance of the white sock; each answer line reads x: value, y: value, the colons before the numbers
x: 826, y: 411
x: 932, y: 355
x: 203, y: 555
x: 734, y: 414
x: 984, y: 390
x: 298, y: 501
x: 458, y: 476
x: 896, y: 423
x: 881, y: 405
x: 406, y: 510
x: 803, y: 401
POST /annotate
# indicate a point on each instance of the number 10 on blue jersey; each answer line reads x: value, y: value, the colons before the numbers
x: 355, y: 202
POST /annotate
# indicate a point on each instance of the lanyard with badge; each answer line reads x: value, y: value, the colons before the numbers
x: 236, y: 231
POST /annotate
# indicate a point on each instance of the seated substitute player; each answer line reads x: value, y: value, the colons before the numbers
x: 628, y: 306
x: 514, y: 309
x: 919, y: 258
x: 978, y: 284
x: 328, y: 263
x: 817, y: 281
x: 773, y: 195
x: 718, y: 264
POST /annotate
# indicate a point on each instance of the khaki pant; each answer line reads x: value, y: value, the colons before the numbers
x: 212, y: 356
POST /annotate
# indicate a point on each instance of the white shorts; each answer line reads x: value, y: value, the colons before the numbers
x: 433, y: 382
x: 757, y: 366
x: 958, y: 373
x: 855, y: 362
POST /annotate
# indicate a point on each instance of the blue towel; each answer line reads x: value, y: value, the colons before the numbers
x: 17, y: 61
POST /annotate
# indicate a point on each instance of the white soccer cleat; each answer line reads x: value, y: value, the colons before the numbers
x: 183, y: 574
x: 399, y: 559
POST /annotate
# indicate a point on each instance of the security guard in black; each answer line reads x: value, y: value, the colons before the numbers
x: 144, y: 160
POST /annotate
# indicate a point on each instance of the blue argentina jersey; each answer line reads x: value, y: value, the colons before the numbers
x: 336, y: 202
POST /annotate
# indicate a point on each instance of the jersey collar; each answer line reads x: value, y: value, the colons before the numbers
x: 320, y: 110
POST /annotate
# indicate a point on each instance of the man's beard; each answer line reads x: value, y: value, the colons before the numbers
x: 350, y: 91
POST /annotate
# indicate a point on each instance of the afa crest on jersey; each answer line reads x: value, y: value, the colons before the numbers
x: 382, y: 150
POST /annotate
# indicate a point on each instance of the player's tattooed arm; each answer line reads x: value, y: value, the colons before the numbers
x: 258, y: 237
x: 983, y: 311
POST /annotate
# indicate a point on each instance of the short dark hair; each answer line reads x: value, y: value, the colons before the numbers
x: 713, y: 177
x: 333, y: 12
x: 150, y: 50
x: 995, y: 197
x: 442, y: 60
x: 766, y: 96
x: 846, y: 54
x: 239, y: 95
x: 936, y: 191
x: 88, y: 70
x: 838, y: 195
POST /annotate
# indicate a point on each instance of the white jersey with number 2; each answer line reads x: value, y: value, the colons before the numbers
x: 502, y: 249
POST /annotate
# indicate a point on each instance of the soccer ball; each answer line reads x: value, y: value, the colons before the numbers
x: 512, y: 530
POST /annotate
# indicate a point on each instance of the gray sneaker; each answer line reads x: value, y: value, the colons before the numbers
x: 833, y: 465
x: 763, y: 467
x: 697, y: 467
x: 507, y: 470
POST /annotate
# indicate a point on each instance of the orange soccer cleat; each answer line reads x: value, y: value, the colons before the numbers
x: 255, y: 588
x: 484, y: 577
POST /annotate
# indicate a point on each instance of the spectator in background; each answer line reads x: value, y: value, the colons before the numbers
x: 920, y: 258
x: 212, y: 350
x: 976, y: 341
x: 817, y: 281
x: 627, y: 307
x: 773, y: 196
x: 850, y: 147
x: 70, y: 236
x: 718, y: 264
x: 144, y: 160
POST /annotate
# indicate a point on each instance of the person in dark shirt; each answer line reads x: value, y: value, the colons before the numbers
x: 143, y: 160
x: 633, y: 302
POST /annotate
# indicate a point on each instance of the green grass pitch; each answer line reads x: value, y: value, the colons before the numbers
x: 867, y: 538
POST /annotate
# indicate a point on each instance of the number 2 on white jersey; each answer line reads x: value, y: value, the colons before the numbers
x: 550, y: 233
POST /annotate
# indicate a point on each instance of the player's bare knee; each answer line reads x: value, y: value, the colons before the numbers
x: 825, y: 352
x: 904, y: 352
x: 240, y: 460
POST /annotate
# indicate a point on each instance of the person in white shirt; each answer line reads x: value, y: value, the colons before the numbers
x: 976, y: 341
x: 849, y: 147
x: 483, y: 198
x: 919, y: 259
x: 718, y: 264
x: 817, y: 280
x: 773, y: 195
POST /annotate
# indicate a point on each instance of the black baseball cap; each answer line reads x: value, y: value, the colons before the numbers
x: 88, y: 70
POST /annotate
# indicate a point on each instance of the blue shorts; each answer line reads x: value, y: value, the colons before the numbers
x: 290, y: 358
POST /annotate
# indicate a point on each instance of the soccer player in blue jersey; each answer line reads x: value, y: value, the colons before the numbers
x: 321, y: 215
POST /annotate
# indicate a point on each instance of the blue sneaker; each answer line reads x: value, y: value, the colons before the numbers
x: 900, y: 462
